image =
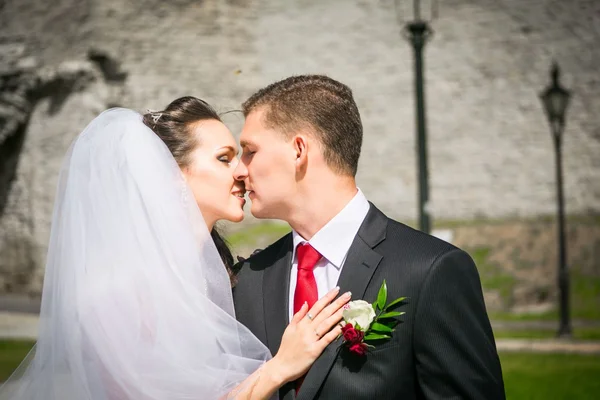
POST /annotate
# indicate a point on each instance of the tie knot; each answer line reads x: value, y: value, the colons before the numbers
x: 308, y: 257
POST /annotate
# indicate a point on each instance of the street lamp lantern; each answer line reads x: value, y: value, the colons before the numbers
x: 418, y: 32
x: 555, y: 100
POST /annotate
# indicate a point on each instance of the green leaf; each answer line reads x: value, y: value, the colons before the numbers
x: 381, y: 327
x: 376, y: 336
x: 391, y: 314
x: 393, y: 303
x: 382, y: 296
x: 392, y: 323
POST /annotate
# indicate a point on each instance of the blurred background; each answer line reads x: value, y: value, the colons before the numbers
x: 478, y: 168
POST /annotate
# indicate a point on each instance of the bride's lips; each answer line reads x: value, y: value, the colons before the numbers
x: 239, y: 194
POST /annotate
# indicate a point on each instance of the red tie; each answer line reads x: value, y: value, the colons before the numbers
x: 306, y: 285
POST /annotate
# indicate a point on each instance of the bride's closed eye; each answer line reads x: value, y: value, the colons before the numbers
x: 224, y: 159
x: 226, y: 154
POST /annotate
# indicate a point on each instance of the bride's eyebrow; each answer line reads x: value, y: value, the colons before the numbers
x: 231, y: 149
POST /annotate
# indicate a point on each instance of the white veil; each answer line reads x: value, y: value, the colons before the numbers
x: 136, y: 301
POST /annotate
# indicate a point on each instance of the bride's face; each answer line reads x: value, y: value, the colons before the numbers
x: 210, y: 173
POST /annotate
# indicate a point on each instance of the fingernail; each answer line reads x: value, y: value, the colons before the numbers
x: 336, y: 289
x: 348, y: 294
x: 305, y: 304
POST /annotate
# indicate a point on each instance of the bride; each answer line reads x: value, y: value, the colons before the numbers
x: 137, y: 297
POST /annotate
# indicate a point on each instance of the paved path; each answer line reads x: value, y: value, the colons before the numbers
x: 549, y: 346
x: 18, y: 325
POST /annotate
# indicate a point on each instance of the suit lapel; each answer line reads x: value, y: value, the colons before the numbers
x: 276, y: 282
x: 358, y: 269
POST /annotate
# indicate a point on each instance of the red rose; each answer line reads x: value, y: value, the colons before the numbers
x: 346, y: 328
x: 352, y: 335
x: 359, y: 349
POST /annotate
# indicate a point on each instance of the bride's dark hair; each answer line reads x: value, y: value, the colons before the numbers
x: 172, y: 126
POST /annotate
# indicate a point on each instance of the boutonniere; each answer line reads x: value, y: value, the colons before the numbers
x: 365, y: 322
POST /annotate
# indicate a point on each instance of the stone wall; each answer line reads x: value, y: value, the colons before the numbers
x: 490, y: 148
x: 34, y: 136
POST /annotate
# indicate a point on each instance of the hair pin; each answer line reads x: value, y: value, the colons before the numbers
x: 155, y: 115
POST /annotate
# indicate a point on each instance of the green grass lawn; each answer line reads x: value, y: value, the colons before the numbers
x: 578, y: 334
x: 584, y: 292
x: 550, y: 376
x: 268, y: 231
x: 508, y: 316
x: 12, y: 352
x: 259, y: 236
x: 526, y: 375
x: 584, y: 301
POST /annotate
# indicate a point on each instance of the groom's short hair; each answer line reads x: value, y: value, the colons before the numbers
x: 321, y: 104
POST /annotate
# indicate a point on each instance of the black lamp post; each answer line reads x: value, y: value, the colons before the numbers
x: 555, y: 99
x: 418, y: 32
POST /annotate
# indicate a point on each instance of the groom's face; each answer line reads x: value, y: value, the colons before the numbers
x: 267, y: 167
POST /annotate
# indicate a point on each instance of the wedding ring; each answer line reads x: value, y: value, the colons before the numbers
x: 309, y: 316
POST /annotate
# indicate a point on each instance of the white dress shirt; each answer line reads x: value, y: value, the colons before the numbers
x: 333, y: 242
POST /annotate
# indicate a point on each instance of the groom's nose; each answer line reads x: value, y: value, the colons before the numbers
x: 240, y: 172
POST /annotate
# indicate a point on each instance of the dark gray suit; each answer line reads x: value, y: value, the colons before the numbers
x: 443, y: 348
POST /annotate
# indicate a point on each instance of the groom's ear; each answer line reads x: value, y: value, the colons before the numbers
x: 300, y: 143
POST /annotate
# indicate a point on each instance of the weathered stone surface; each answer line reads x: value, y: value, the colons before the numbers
x: 489, y: 143
x: 22, y: 85
x: 64, y: 97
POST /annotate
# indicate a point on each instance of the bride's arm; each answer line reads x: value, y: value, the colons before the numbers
x: 257, y: 385
x: 303, y: 342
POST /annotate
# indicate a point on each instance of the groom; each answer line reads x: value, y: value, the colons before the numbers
x: 301, y: 144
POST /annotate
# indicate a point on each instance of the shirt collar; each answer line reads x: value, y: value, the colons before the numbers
x: 334, y: 239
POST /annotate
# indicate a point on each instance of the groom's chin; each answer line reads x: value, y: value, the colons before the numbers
x: 257, y: 212
x: 269, y: 211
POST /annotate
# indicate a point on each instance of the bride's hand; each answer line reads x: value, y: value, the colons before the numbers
x: 308, y: 334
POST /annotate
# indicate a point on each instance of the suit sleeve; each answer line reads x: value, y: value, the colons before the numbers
x: 455, y: 351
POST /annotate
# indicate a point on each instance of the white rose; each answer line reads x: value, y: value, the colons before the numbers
x: 360, y: 313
